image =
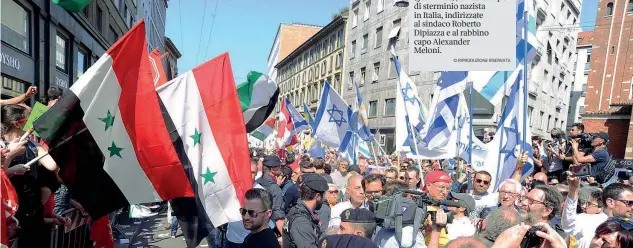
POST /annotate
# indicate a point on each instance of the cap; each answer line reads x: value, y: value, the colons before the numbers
x: 346, y: 240
x: 272, y: 161
x: 602, y: 135
x: 358, y: 215
x: 437, y: 176
x: 315, y: 182
x: 465, y: 200
x: 354, y: 167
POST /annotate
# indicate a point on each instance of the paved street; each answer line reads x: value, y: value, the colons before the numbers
x: 150, y: 232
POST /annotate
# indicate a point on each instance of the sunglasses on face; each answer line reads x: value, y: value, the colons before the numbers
x: 628, y: 203
x: 333, y: 191
x: 480, y: 181
x: 251, y: 213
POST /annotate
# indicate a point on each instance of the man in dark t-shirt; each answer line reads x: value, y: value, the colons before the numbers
x: 256, y: 215
x: 599, y: 157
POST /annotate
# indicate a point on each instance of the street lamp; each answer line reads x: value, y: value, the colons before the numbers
x: 402, y: 3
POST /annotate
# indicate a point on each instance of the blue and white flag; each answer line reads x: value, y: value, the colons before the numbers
x: 350, y: 153
x: 415, y: 109
x: 509, y: 139
x: 363, y: 148
x: 444, y: 106
x: 463, y: 130
x: 360, y: 123
x: 332, y: 122
x: 493, y: 84
x: 299, y: 123
x: 306, y: 112
x: 315, y: 148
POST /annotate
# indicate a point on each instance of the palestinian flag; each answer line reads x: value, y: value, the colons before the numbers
x: 262, y: 132
x: 208, y: 131
x: 116, y: 148
x: 258, y: 96
x: 72, y: 5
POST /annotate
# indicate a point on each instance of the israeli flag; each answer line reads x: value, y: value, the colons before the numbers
x: 306, y: 112
x: 415, y: 109
x: 509, y: 142
x: 363, y: 148
x: 493, y: 84
x: 332, y: 122
x: 299, y: 123
x: 360, y: 122
x: 444, y: 109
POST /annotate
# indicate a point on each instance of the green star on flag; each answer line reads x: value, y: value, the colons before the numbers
x: 208, y: 176
x: 196, y: 137
x: 108, y: 120
x: 114, y: 150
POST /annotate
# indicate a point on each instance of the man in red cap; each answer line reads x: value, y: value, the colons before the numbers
x: 437, y: 184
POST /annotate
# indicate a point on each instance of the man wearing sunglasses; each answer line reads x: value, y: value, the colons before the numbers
x: 272, y: 169
x: 255, y: 215
x: 618, y: 201
x: 480, y: 186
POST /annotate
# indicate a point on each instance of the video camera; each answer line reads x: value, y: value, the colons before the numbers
x: 585, y: 139
x: 396, y: 211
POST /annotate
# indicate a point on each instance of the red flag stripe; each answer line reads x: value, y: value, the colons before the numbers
x: 224, y: 113
x: 140, y: 112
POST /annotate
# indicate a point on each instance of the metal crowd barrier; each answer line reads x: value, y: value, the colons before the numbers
x: 75, y: 236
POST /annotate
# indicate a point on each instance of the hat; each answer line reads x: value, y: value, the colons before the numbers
x: 437, y: 176
x: 358, y: 215
x: 354, y: 167
x: 602, y: 135
x: 315, y: 182
x: 272, y: 161
x: 346, y: 240
x: 465, y: 200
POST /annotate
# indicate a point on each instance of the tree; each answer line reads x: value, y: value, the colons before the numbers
x: 342, y: 12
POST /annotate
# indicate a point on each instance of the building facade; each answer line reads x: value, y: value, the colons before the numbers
x: 44, y: 45
x: 609, y: 85
x: 581, y: 72
x: 302, y: 73
x: 155, y: 14
x: 287, y: 39
x: 372, y: 27
x: 171, y: 60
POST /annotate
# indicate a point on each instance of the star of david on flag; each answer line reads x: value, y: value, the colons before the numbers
x: 331, y: 121
x: 509, y: 140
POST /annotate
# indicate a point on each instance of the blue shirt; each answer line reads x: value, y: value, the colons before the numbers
x: 601, y: 157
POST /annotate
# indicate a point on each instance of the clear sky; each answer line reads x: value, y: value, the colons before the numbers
x: 588, y: 14
x: 243, y: 28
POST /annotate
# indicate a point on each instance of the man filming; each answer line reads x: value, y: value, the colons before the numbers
x: 598, y: 158
x: 554, y: 165
x: 577, y: 133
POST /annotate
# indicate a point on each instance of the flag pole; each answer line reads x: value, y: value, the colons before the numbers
x: 383, y: 151
x: 525, y: 74
x: 470, y: 137
x: 33, y: 161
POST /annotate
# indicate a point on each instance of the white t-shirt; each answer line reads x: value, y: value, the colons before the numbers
x: 386, y: 238
x: 337, y: 210
x: 461, y: 227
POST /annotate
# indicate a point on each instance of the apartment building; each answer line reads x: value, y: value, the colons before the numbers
x: 287, y: 39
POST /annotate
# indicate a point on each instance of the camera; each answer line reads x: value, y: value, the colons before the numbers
x: 530, y: 239
x: 395, y: 209
x: 585, y: 139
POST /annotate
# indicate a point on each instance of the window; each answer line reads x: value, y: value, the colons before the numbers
x: 353, y: 50
x: 362, y: 76
x: 332, y: 43
x: 61, y: 45
x: 367, y: 11
x: 363, y: 49
x: 323, y: 67
x: 609, y: 9
x: 395, y: 30
x: 340, y: 38
x: 581, y: 109
x: 373, y: 108
x: 549, y: 122
x: 82, y: 62
x: 630, y: 6
x: 376, y: 75
x: 390, y: 107
x: 555, y: 122
x: 131, y: 20
x: 99, y: 19
x: 355, y: 18
x: 542, y: 120
x: 112, y: 36
x: 324, y: 48
x: 339, y: 60
x: 392, y: 69
x: 331, y: 64
x: 380, y: 6
x: 530, y: 110
x: 351, y: 80
x: 337, y: 83
x: 378, y: 41
x: 16, y: 26
x: 612, y: 50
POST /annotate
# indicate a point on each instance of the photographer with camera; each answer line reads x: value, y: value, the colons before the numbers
x: 554, y: 164
x: 520, y: 235
x: 438, y: 186
x: 599, y: 158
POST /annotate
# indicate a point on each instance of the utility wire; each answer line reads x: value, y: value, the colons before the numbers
x: 204, y: 14
x: 180, y: 17
x: 215, y: 13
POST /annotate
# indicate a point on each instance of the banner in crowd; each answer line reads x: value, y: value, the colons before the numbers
x: 258, y: 96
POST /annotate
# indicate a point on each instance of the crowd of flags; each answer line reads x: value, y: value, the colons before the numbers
x: 129, y: 139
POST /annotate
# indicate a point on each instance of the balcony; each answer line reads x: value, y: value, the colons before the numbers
x: 560, y: 103
x: 540, y: 49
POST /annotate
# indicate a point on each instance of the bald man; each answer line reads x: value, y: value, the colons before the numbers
x: 465, y: 242
x: 541, y: 177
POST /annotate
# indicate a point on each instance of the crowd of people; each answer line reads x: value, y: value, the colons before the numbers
x: 572, y: 198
